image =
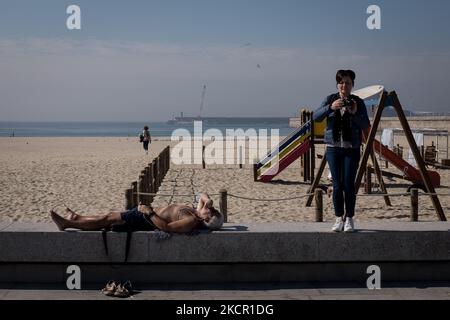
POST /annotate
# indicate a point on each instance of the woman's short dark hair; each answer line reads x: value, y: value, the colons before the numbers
x: 345, y: 73
x: 145, y: 128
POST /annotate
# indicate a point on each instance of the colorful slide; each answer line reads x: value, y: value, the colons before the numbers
x: 287, y: 151
x: 410, y: 172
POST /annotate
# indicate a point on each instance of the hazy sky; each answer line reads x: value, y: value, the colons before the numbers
x: 145, y: 60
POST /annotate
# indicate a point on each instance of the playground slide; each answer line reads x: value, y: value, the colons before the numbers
x: 298, y: 142
x: 410, y: 172
x: 287, y: 151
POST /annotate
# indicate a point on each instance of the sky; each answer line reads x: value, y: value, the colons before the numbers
x: 134, y: 60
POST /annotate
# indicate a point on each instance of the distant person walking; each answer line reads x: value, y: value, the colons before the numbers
x: 146, y: 138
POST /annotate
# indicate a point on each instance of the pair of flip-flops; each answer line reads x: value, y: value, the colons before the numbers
x: 119, y: 290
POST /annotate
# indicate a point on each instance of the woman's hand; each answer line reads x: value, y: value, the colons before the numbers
x: 337, y: 104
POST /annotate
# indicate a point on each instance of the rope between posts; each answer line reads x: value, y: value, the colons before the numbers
x: 293, y: 198
x: 403, y: 194
x: 172, y: 195
x: 384, y: 194
x: 434, y: 194
x: 282, y: 199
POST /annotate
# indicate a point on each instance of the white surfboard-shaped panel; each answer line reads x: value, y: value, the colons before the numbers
x: 370, y: 92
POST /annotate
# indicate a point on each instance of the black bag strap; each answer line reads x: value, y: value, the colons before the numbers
x: 127, y: 244
x: 105, y: 240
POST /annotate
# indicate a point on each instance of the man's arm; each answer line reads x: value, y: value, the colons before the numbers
x: 204, y: 199
x: 184, y: 225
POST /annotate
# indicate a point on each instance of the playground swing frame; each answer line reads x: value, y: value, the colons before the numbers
x: 300, y: 143
x: 369, y: 151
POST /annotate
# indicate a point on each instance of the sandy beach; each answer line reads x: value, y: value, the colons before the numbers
x: 90, y: 176
x: 87, y: 174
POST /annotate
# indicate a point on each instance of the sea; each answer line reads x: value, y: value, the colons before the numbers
x: 131, y: 129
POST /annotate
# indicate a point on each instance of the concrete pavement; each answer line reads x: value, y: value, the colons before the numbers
x: 251, y: 291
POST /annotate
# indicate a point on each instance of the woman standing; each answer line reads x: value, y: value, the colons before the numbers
x: 346, y: 116
x: 146, y: 138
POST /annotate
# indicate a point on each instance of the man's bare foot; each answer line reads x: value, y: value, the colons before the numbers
x: 71, y: 215
x: 58, y: 220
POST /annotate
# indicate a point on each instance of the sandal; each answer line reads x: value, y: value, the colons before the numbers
x: 127, y: 284
x: 123, y: 290
x: 110, y: 288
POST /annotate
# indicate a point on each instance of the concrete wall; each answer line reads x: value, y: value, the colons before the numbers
x: 264, y: 252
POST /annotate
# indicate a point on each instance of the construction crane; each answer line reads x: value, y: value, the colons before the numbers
x: 202, y: 101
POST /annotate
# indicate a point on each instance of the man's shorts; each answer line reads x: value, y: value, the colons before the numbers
x: 134, y: 221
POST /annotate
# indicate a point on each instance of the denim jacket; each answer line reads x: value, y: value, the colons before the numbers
x: 360, y: 119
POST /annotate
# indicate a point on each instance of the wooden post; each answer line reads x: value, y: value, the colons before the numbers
x: 305, y: 155
x: 316, y: 181
x: 308, y: 153
x: 414, y: 216
x: 162, y: 160
x: 158, y: 170
x: 168, y: 158
x: 255, y: 172
x: 306, y: 167
x: 145, y: 176
x: 141, y: 188
x: 302, y: 158
x: 155, y: 176
x: 313, y: 150
x: 203, y: 157
x: 161, y: 170
x: 223, y: 204
x: 128, y: 199
x: 150, y: 177
x: 318, y: 196
x: 369, y: 141
x: 135, y: 197
x: 148, y: 171
x: 419, y: 160
x: 380, y: 178
x: 165, y: 161
x: 368, y: 185
x: 240, y: 157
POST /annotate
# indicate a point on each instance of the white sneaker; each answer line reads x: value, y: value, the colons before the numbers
x: 349, y: 226
x: 338, y: 225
